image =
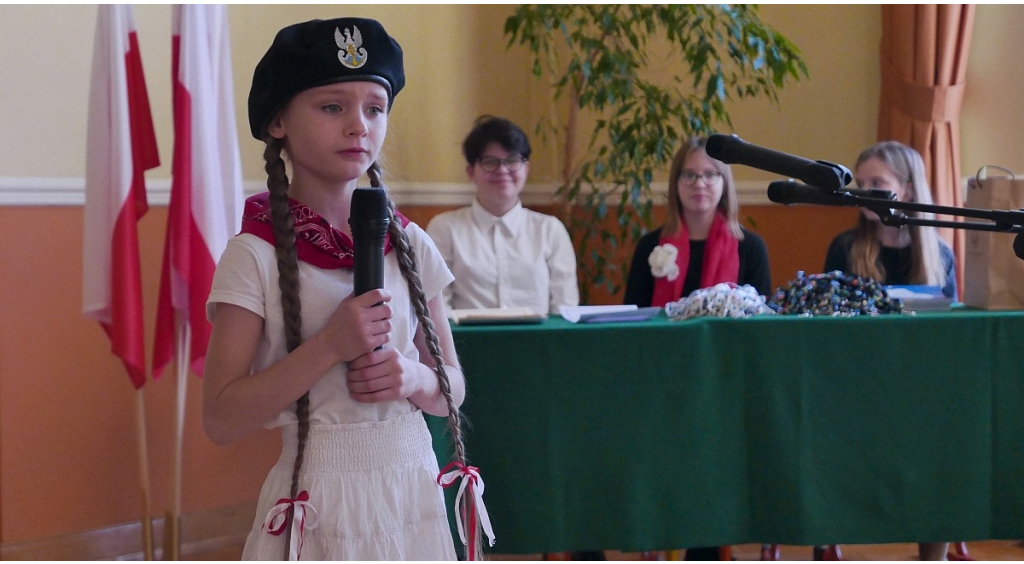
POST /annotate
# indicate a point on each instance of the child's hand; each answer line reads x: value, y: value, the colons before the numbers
x: 359, y: 325
x: 384, y: 375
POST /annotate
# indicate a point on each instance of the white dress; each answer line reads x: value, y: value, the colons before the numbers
x: 369, y: 469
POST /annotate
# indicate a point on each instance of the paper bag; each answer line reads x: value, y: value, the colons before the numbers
x: 993, y: 275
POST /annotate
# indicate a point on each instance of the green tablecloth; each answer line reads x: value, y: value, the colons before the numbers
x: 661, y: 435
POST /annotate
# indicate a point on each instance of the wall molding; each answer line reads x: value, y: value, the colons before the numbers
x: 208, y: 531
x: 70, y: 191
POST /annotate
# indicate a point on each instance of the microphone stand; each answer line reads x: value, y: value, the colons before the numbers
x: 884, y: 204
x: 821, y: 188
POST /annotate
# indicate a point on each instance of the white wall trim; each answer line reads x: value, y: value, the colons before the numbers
x: 70, y: 191
x: 27, y: 191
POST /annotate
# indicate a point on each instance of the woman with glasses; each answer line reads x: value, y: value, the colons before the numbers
x: 699, y: 245
x: 701, y: 242
x: 502, y: 254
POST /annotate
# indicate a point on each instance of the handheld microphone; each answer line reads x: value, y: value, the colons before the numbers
x: 789, y: 192
x: 369, y: 220
x: 820, y: 174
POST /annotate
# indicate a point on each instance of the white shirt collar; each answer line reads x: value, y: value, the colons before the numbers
x: 510, y: 222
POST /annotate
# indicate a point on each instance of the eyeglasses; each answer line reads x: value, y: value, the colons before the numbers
x: 491, y: 164
x: 710, y: 177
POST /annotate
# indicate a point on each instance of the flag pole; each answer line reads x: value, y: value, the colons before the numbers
x: 172, y: 522
x: 121, y: 146
x: 205, y: 168
x: 140, y: 435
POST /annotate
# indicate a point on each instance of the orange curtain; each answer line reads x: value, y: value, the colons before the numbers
x: 924, y: 69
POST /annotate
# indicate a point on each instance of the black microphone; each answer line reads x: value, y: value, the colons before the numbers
x: 820, y: 174
x: 789, y: 192
x: 368, y: 218
x: 1018, y: 245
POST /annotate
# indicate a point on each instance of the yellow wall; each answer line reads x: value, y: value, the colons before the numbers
x: 992, y: 121
x: 456, y: 68
x: 833, y: 115
x: 67, y: 438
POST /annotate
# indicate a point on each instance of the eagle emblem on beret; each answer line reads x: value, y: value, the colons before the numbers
x: 352, y: 54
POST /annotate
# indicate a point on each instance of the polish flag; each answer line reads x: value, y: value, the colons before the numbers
x: 120, y: 147
x: 206, y: 187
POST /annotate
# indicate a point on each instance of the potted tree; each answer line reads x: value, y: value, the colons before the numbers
x: 607, y: 61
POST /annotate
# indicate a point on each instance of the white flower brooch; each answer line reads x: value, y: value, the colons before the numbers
x: 663, y: 261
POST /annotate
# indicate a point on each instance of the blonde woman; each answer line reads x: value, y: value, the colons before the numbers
x: 908, y: 254
x: 894, y: 255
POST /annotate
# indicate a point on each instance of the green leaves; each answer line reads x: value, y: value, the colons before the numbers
x: 602, y: 53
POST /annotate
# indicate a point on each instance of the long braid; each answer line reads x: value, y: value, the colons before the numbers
x: 406, y: 255
x: 288, y: 281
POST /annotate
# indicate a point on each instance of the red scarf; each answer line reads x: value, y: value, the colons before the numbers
x: 317, y: 242
x: 721, y: 261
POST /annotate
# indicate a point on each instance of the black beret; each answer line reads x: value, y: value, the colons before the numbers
x: 319, y: 52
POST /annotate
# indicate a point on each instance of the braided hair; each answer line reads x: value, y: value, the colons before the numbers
x: 406, y: 255
x: 288, y: 282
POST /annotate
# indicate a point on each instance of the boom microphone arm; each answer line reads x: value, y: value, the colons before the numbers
x: 827, y: 188
x: 883, y: 203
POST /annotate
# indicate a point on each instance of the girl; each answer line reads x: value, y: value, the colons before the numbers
x: 701, y: 242
x: 894, y: 255
x: 345, y: 377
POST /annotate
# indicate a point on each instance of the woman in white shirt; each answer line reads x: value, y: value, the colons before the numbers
x: 502, y: 254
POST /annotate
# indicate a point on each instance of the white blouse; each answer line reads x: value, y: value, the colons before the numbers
x: 521, y: 259
x: 247, y: 276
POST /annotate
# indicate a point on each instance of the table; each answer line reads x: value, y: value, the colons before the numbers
x: 662, y: 435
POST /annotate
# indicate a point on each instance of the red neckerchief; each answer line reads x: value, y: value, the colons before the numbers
x: 721, y: 261
x: 317, y: 242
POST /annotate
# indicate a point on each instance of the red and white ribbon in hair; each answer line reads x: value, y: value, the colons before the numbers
x: 277, y: 520
x: 472, y: 481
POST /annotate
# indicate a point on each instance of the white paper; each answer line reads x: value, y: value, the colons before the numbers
x: 575, y: 314
x: 920, y: 298
x: 915, y: 292
x: 496, y: 315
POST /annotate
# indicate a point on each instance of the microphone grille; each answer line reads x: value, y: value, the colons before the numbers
x: 369, y: 203
x: 1018, y: 245
x: 719, y: 146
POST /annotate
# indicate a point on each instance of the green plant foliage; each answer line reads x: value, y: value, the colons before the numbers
x: 600, y: 56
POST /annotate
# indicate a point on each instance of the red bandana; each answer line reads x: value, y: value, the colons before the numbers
x: 317, y: 242
x: 721, y: 261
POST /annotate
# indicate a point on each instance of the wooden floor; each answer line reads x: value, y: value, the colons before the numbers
x: 978, y: 550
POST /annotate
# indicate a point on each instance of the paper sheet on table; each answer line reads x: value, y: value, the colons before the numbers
x: 920, y: 298
x: 607, y: 314
x: 495, y: 316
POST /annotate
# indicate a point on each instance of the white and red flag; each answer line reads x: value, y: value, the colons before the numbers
x: 120, y: 147
x: 206, y: 187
